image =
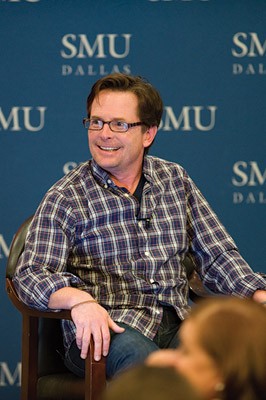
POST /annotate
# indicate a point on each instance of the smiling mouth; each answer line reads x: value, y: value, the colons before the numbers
x: 109, y: 148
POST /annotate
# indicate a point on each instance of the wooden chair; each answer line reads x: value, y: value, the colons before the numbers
x: 44, y: 376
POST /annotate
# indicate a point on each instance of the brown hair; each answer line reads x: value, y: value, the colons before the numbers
x: 233, y: 332
x: 150, y: 105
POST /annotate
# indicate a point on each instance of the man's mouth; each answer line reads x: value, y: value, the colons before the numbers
x: 109, y: 148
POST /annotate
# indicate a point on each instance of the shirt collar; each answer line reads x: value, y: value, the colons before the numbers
x: 103, y: 178
x: 147, y: 168
x: 100, y: 174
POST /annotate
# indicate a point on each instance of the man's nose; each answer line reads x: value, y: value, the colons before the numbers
x: 106, y: 130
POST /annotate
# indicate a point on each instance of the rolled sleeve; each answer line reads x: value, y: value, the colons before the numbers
x: 42, y: 268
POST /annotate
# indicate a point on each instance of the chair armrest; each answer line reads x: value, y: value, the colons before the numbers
x: 197, y: 290
x: 95, y: 371
x: 32, y: 312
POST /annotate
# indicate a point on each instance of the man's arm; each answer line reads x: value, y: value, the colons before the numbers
x: 43, y: 281
x: 89, y: 317
x: 219, y: 263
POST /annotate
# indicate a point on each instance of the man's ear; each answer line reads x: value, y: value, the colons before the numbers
x: 149, y: 135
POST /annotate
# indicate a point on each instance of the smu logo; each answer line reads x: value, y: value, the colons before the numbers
x: 249, y: 46
x: 27, y: 118
x: 20, y: 1
x: 177, y: 0
x: 249, y: 176
x: 189, y: 118
x: 9, y: 377
x: 99, y: 48
x: 103, y: 46
x: 4, y: 249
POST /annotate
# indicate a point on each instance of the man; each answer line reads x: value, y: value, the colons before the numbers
x: 108, y: 239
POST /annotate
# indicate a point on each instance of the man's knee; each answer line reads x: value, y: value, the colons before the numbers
x: 127, y: 349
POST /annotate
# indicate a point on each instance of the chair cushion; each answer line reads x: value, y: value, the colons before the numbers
x: 66, y: 386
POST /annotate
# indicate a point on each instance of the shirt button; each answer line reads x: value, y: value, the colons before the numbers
x: 152, y: 280
x: 109, y: 181
x: 105, y: 186
x: 147, y: 253
x: 157, y: 311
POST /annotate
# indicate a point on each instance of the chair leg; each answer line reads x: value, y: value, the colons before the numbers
x: 95, y: 376
x: 29, y: 358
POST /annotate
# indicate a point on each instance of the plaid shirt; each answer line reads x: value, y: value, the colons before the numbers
x: 90, y: 234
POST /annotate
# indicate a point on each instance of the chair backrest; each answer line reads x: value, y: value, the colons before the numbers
x: 17, y: 247
x: 44, y: 375
x: 50, y: 342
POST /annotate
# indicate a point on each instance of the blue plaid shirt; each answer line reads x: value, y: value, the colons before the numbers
x: 90, y: 234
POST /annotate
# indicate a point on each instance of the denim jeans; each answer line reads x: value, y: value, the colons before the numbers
x: 130, y: 347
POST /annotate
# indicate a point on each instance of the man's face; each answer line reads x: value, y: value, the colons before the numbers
x: 120, y: 154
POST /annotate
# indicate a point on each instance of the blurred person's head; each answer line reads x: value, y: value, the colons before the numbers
x: 222, y: 349
x: 148, y: 383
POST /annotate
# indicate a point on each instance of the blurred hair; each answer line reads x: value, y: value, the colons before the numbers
x: 233, y: 332
x: 150, y: 383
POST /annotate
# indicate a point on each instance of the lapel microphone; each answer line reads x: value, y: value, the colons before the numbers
x: 146, y: 220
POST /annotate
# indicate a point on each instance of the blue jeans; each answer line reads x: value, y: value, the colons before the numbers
x: 130, y: 347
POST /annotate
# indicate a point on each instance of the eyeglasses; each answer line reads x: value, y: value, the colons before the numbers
x: 96, y: 124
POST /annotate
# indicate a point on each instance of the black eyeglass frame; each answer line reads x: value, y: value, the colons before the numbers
x: 127, y: 125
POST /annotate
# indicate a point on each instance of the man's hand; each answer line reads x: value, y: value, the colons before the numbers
x: 260, y: 296
x: 91, y: 319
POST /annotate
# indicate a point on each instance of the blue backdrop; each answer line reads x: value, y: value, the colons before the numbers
x: 206, y: 57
